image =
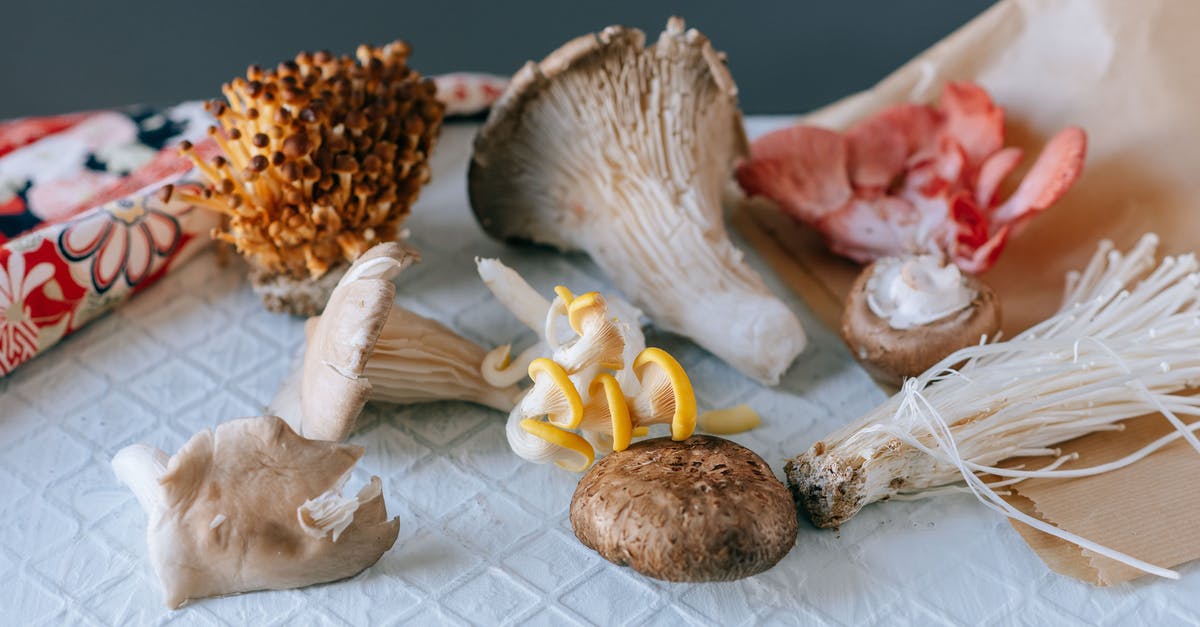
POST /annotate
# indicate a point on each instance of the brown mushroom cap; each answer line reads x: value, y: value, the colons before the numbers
x: 891, y: 354
x: 704, y: 509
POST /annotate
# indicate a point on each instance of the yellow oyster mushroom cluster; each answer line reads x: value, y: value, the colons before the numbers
x: 596, y: 390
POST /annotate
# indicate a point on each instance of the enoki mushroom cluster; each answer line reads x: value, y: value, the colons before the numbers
x: 1125, y: 343
x: 589, y: 386
x: 323, y: 156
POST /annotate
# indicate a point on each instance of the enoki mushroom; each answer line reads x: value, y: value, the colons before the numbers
x: 580, y: 388
x: 1125, y: 343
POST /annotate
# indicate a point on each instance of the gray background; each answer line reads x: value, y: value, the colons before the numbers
x: 787, y: 57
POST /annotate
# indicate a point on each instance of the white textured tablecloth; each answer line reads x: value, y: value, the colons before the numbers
x: 484, y: 536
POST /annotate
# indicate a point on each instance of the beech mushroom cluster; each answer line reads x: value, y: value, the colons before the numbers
x: 364, y: 347
x: 322, y: 158
x: 622, y: 150
x: 254, y: 506
x: 602, y: 382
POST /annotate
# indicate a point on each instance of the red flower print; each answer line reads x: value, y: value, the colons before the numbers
x: 125, y: 237
x: 18, y: 331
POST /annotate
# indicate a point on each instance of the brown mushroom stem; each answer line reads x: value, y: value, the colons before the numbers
x: 622, y: 150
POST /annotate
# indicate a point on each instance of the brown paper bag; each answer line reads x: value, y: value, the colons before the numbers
x: 1127, y: 73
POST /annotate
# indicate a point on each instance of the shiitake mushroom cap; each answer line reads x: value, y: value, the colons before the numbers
x: 702, y: 509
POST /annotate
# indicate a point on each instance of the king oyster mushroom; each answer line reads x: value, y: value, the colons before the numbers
x: 364, y: 347
x: 703, y: 509
x: 254, y: 506
x: 622, y: 150
x: 904, y: 314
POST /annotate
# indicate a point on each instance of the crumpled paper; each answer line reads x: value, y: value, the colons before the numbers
x: 1125, y: 72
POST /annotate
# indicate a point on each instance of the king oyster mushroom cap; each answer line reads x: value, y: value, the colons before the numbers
x: 622, y: 150
x: 704, y: 509
x: 254, y: 506
x: 363, y: 347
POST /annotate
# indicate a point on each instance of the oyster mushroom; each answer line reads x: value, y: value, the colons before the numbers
x: 703, y: 509
x: 322, y: 157
x: 622, y: 150
x: 364, y: 347
x: 254, y: 506
x: 904, y: 314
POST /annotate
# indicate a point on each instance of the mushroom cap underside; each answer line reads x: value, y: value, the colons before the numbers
x: 595, y: 86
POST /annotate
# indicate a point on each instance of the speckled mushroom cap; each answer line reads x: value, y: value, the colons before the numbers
x: 890, y: 355
x: 704, y: 509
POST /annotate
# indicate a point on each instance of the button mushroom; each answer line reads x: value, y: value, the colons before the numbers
x: 704, y: 509
x: 322, y: 157
x: 254, y: 506
x: 904, y: 314
x: 622, y: 150
x: 364, y: 347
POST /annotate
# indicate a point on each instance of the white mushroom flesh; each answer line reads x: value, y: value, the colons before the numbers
x: 909, y: 292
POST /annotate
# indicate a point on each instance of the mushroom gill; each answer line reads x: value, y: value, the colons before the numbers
x: 365, y: 347
x: 622, y: 150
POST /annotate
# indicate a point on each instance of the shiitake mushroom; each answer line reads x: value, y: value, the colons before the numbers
x: 701, y: 509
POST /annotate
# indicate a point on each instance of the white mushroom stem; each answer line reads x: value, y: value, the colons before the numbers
x: 140, y: 467
x: 1125, y: 343
x: 364, y: 347
x: 500, y: 369
x: 514, y: 293
x: 418, y: 360
x: 604, y: 323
